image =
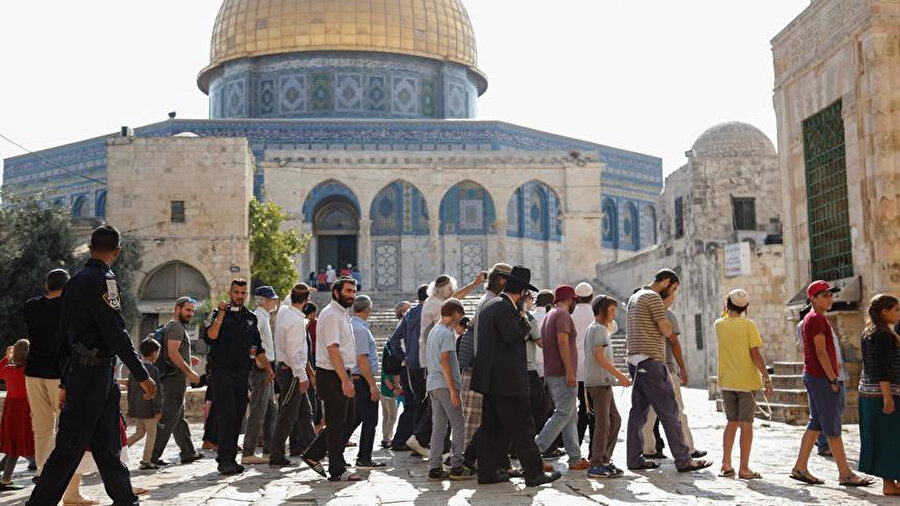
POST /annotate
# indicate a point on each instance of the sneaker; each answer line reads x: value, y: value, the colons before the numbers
x: 277, y: 462
x: 369, y: 464
x: 414, y: 445
x: 460, y: 473
x: 192, y: 458
x: 147, y: 466
x: 581, y: 465
x: 438, y: 474
x: 615, y: 469
x: 249, y: 460
x: 601, y: 472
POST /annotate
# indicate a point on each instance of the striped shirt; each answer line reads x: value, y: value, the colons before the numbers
x: 645, y: 308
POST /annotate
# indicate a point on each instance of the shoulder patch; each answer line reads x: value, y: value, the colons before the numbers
x: 111, y: 296
x: 110, y: 275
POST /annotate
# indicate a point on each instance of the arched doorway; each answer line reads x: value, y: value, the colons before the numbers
x: 336, y: 227
x: 163, y: 286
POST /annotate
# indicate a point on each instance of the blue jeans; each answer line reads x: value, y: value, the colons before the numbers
x: 822, y: 442
x: 563, y: 420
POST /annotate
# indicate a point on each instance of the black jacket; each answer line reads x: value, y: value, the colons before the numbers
x: 501, y: 362
x: 42, y: 321
x: 91, y: 315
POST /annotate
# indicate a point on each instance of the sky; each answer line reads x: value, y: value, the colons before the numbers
x: 644, y: 75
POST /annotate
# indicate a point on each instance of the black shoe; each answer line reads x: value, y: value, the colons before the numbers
x: 471, y: 465
x: 193, y: 458
x: 438, y: 474
x: 698, y: 454
x: 552, y: 453
x: 369, y: 464
x: 160, y: 462
x: 447, y: 462
x: 35, y: 479
x: 277, y: 462
x: 497, y: 478
x: 513, y: 472
x: 230, y: 469
x: 32, y: 467
x: 656, y: 456
x: 543, y: 479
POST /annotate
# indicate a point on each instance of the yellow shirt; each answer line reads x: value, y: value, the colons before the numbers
x: 736, y: 337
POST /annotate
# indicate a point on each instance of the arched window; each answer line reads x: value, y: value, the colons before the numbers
x: 78, y: 206
x: 399, y: 209
x: 631, y: 239
x: 173, y: 280
x: 609, y: 224
x: 648, y: 224
x: 533, y: 212
x: 467, y: 209
x: 100, y: 207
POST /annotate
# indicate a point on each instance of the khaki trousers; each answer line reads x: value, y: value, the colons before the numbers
x: 43, y: 398
x: 650, y: 439
x: 144, y: 426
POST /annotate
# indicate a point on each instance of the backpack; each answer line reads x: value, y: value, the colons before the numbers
x: 391, y: 363
x: 465, y: 348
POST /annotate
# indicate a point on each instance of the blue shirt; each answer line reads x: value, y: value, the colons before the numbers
x: 365, y: 344
x: 408, y: 333
x: 441, y: 339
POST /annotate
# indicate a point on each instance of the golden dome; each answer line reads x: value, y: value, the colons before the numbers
x: 436, y: 29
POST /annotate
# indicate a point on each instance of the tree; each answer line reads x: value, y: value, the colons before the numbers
x: 272, y: 250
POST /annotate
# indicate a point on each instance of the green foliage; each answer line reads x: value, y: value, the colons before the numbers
x: 272, y: 250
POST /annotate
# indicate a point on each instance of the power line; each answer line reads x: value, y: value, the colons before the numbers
x: 51, y: 162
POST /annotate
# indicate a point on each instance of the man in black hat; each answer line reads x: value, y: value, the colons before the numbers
x: 501, y: 375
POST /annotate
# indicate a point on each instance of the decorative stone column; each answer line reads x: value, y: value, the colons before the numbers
x: 434, y: 244
x: 365, y: 252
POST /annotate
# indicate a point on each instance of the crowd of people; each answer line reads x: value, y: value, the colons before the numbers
x: 527, y: 377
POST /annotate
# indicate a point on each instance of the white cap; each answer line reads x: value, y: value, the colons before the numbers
x: 584, y: 289
x: 739, y: 298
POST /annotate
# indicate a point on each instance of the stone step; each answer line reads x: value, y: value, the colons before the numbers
x: 787, y: 381
x: 786, y: 396
x: 788, y: 368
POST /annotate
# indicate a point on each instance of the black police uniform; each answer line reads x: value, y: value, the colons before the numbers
x: 230, y: 355
x: 92, y: 334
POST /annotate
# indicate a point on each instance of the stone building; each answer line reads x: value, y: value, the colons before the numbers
x: 837, y: 101
x: 347, y: 108
x: 719, y: 228
x: 193, y: 225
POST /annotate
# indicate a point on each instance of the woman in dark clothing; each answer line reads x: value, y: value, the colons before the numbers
x: 879, y: 393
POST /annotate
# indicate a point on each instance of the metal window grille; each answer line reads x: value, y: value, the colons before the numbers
x: 826, y: 193
x: 177, y: 211
x: 744, y: 209
x: 679, y: 217
x: 698, y: 326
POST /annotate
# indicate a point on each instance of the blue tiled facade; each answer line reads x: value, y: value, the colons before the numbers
x: 533, y: 212
x: 399, y: 209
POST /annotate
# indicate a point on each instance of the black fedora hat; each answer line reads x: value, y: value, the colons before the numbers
x: 522, y: 275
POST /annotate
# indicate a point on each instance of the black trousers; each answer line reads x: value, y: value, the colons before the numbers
x: 367, y: 416
x: 172, y: 422
x: 423, y: 406
x: 339, y: 412
x: 89, y: 419
x: 585, y: 418
x: 505, y: 420
x: 294, y: 414
x: 538, y: 399
x: 210, y: 432
x: 230, y: 403
x: 406, y: 423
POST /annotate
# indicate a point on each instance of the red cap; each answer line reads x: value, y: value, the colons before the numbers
x: 564, y: 292
x: 819, y: 286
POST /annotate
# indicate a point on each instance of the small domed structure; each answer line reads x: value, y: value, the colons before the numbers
x: 733, y: 139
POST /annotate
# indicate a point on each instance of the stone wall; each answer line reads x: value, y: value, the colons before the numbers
x: 212, y: 176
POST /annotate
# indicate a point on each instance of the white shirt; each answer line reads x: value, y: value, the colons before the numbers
x: 431, y: 315
x: 290, y: 340
x: 334, y: 328
x: 265, y: 332
x: 582, y: 317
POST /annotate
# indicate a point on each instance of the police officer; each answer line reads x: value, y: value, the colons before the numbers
x: 235, y: 340
x: 92, y: 333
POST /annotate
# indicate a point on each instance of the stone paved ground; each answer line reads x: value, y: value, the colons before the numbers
x: 405, y: 480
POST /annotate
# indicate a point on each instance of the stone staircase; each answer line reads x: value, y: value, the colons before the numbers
x: 789, y: 404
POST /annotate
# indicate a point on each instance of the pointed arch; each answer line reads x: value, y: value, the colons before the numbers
x: 648, y: 224
x: 79, y: 206
x: 609, y: 224
x: 467, y: 209
x: 326, y: 191
x: 399, y: 209
x: 631, y: 235
x: 100, y: 204
x: 533, y: 211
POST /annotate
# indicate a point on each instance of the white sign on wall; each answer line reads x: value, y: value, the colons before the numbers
x: 737, y: 259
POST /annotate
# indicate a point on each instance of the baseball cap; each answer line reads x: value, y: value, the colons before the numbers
x: 544, y: 298
x: 739, y: 298
x: 564, y: 292
x: 265, y: 291
x: 584, y: 289
x: 819, y: 286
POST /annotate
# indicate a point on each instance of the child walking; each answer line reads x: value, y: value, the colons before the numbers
x: 146, y: 413
x: 443, y: 384
x: 599, y: 376
x: 16, y: 437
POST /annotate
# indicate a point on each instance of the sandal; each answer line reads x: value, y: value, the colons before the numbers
x: 726, y: 473
x: 81, y: 501
x: 854, y: 480
x: 647, y: 464
x: 347, y: 476
x: 752, y: 476
x: 315, y: 466
x: 805, y: 477
x: 11, y: 486
x: 826, y: 453
x: 695, y: 465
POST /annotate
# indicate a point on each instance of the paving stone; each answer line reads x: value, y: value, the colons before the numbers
x: 405, y: 480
